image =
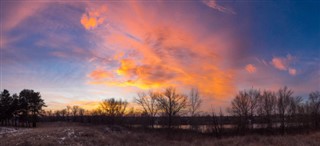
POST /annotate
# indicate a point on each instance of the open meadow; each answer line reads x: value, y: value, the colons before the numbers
x: 76, y: 134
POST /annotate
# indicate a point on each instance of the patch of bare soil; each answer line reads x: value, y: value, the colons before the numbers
x: 61, y: 133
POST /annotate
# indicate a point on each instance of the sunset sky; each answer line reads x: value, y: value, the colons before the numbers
x: 79, y: 53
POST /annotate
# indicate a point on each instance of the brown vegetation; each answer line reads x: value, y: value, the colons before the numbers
x: 62, y: 133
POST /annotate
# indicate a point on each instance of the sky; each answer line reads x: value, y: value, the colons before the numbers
x: 81, y: 52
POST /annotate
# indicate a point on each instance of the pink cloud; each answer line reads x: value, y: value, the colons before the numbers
x: 279, y: 63
x: 284, y: 64
x: 213, y: 4
x: 17, y: 12
x: 154, y: 51
x: 250, y: 68
x: 292, y: 71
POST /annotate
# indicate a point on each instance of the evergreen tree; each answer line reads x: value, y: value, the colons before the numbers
x: 31, y: 103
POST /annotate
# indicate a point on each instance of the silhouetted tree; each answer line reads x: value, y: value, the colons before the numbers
x: 171, y: 103
x: 217, y: 123
x: 97, y: 112
x: 5, y: 106
x: 267, y: 107
x: 14, y: 107
x: 34, y: 103
x: 114, y: 107
x: 283, y: 105
x: 254, y: 96
x: 194, y: 102
x: 23, y: 110
x: 81, y: 113
x: 314, y: 105
x: 64, y: 113
x: 240, y: 107
x: 148, y: 102
x: 49, y: 113
x: 295, y: 105
x: 68, y: 113
x: 75, y: 110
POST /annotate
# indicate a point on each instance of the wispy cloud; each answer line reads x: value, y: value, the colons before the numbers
x: 154, y: 52
x: 129, y: 46
x: 214, y: 5
x: 15, y: 13
x: 100, y: 73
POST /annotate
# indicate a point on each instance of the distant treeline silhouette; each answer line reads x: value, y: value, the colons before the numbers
x: 250, y: 111
x: 20, y: 110
x: 253, y: 110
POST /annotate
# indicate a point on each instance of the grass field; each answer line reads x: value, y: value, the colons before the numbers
x: 61, y: 133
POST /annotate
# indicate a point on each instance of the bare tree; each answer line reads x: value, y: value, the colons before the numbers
x: 81, y: 112
x: 148, y: 101
x: 194, y: 102
x: 171, y: 103
x: 283, y: 105
x: 68, y: 112
x: 132, y: 112
x: 267, y: 106
x: 114, y: 107
x: 97, y: 112
x: 217, y: 123
x: 240, y: 107
x: 314, y: 105
x: 244, y: 106
x: 75, y: 110
x: 63, y: 113
x: 254, y: 96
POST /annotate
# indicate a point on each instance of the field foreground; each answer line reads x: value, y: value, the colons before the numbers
x: 60, y: 133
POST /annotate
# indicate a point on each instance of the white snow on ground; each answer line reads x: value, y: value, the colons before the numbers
x: 5, y: 130
x: 10, y: 131
x: 70, y: 132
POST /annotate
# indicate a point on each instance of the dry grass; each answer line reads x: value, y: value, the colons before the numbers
x: 60, y: 133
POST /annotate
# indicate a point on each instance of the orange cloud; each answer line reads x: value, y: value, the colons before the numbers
x: 88, y: 105
x: 127, y: 68
x: 100, y: 74
x: 250, y: 68
x: 93, y: 18
x: 156, y: 52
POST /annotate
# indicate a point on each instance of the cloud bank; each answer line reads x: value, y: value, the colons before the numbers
x: 152, y: 51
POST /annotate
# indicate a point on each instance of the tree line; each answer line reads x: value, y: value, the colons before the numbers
x: 275, y: 109
x: 20, y: 110
x: 168, y: 104
x: 250, y: 110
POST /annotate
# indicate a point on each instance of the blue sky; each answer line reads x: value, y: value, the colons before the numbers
x: 78, y: 53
